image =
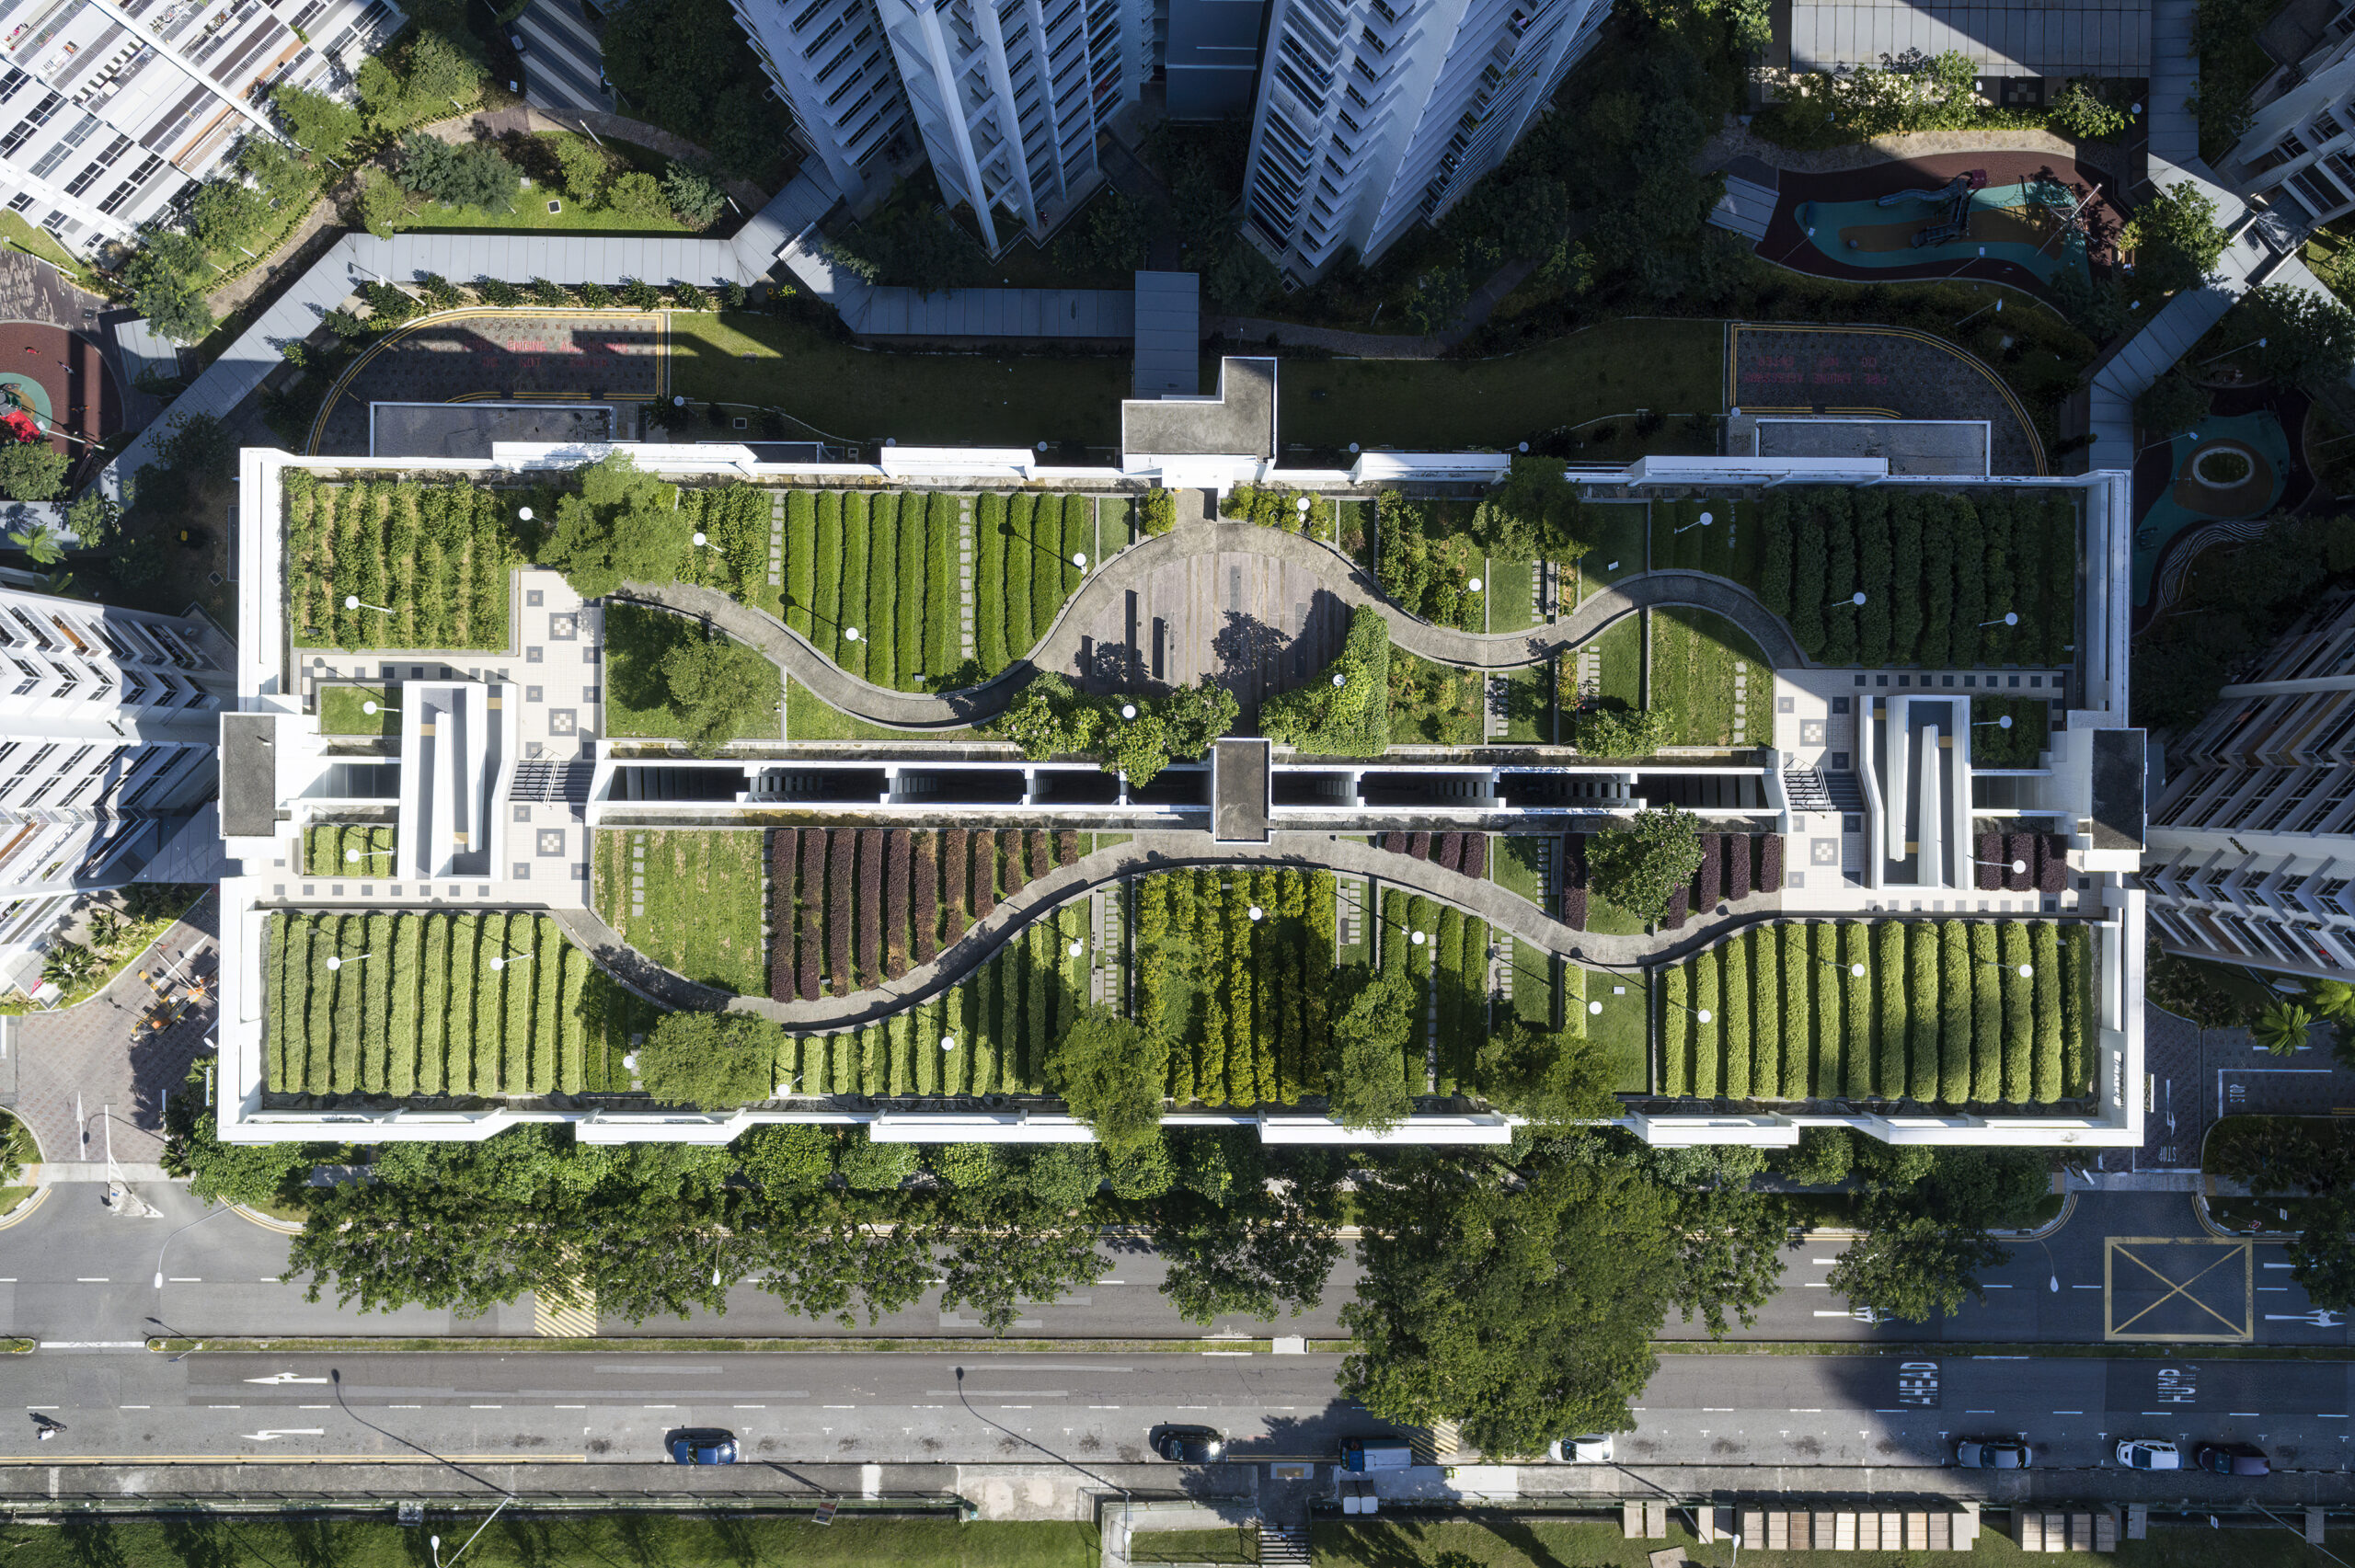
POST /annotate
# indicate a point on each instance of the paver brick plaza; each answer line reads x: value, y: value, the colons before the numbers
x: 610, y: 354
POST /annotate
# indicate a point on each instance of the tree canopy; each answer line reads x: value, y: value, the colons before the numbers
x: 1369, y: 1035
x: 623, y: 524
x: 1052, y: 718
x: 1110, y: 1072
x: 722, y: 690
x: 2174, y: 237
x: 713, y: 1061
x: 1641, y: 862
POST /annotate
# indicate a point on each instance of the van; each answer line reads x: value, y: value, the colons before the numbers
x: 1359, y: 1455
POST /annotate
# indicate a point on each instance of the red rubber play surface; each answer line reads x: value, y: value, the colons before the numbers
x: 82, y: 394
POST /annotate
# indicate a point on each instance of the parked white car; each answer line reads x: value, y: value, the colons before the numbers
x: 1593, y: 1450
x: 2149, y: 1453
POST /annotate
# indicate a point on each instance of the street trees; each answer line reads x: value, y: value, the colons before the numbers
x: 1926, y: 1216
x: 1519, y: 1314
x: 1245, y: 1230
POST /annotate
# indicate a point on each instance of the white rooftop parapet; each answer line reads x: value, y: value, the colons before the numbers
x: 1418, y: 1131
x: 915, y: 462
x: 1755, y: 470
x: 1431, y: 468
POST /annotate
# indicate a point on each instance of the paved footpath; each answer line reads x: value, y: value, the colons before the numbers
x: 100, y: 1063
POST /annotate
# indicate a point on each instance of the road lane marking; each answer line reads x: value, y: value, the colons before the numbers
x: 133, y: 1407
x: 1822, y: 1263
x: 1716, y: 1410
x: 315, y: 1407
x: 1979, y: 1412
x: 2248, y: 1414
x: 2084, y: 1287
x: 1993, y: 1287
x: 1813, y: 1285
x: 1021, y: 1407
x: 1806, y: 1410
x: 2327, y: 1415
x: 2275, y: 1289
x: 743, y: 1407
x: 658, y: 1407
x: 224, y: 1407
x: 492, y: 1407
x: 186, y: 1279
x: 2275, y: 1266
x: 404, y: 1407
x: 839, y: 1407
x: 2068, y: 1413
x: 559, y: 1407
x: 1103, y: 1407
x: 1226, y: 1353
x: 983, y: 1394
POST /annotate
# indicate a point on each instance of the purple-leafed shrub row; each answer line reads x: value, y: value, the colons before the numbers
x: 851, y: 907
x: 1475, y: 855
x: 2051, y: 863
x: 1770, y: 862
x: 1710, y: 880
x: 1738, y: 868
x: 2019, y: 847
x: 1680, y: 907
x: 1574, y: 881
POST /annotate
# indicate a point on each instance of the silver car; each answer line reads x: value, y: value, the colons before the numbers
x: 2149, y: 1453
x: 1993, y: 1453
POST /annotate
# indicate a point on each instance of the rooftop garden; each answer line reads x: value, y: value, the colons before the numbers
x: 1934, y: 1012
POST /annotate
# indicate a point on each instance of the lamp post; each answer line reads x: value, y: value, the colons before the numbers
x: 336, y: 963
x: 1254, y: 912
x: 1128, y: 709
x: 700, y: 539
x: 502, y: 962
x: 2017, y: 867
x: 1857, y: 599
x: 2025, y: 971
x: 525, y: 513
x: 1079, y: 559
x: 1473, y: 584
x: 1997, y: 307
x: 199, y: 1220
x: 372, y: 709
x: 1855, y: 971
x: 850, y: 634
x: 1700, y: 1015
x: 1702, y: 521
x: 1073, y: 948
x: 948, y: 1042
x: 2008, y: 618
x: 352, y: 601
x: 353, y: 857
x: 2227, y: 353
x: 1967, y: 261
x: 2003, y: 723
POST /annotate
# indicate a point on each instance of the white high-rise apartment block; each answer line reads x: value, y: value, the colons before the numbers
x: 1374, y: 115
x: 2251, y: 852
x: 2298, y: 153
x: 111, y: 109
x: 830, y: 63
x: 109, y: 721
x: 1010, y: 97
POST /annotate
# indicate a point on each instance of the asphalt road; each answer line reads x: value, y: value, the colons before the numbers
x: 573, y: 1408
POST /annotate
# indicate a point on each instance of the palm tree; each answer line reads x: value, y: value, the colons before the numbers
x: 2281, y: 1028
x: 39, y: 541
x: 68, y: 964
x: 2331, y: 1000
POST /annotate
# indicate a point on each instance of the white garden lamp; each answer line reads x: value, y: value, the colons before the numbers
x: 352, y: 601
x: 1079, y: 559
x: 2003, y: 723
x: 1702, y: 521
x: 700, y: 539
x: 523, y: 512
x: 1128, y: 709
x: 2009, y: 618
x: 1304, y: 505
x: 1254, y: 912
x: 1340, y: 681
x: 334, y: 964
x: 499, y: 964
x: 1417, y: 939
x: 1594, y: 1007
x: 850, y: 634
x: 372, y: 709
x: 351, y: 857
x: 1072, y: 948
x: 1474, y: 585
x: 1857, y: 599
x: 679, y: 402
x: 948, y: 1042
x: 2017, y: 867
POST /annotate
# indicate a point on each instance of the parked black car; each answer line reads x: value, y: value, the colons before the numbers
x: 702, y: 1446
x: 2232, y: 1459
x: 1189, y: 1444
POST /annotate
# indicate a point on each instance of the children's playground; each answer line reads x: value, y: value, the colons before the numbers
x: 2009, y: 217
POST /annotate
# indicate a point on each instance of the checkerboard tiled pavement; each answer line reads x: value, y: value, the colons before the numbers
x: 104, y: 1051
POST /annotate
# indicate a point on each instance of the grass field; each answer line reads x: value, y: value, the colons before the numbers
x: 1433, y: 705
x: 807, y: 718
x: 703, y: 903
x: 1726, y: 544
x: 1509, y: 584
x: 1694, y: 659
x: 1486, y: 1542
x: 1619, y: 529
x: 1623, y: 1029
x: 641, y: 1540
x: 1608, y: 919
x: 1621, y: 646
x: 638, y: 700
x: 343, y: 711
x: 1518, y: 863
x: 1445, y: 405
x: 1236, y: 1545
x: 847, y: 393
x: 1532, y: 984
x: 1529, y: 705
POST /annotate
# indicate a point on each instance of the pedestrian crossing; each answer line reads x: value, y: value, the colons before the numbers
x: 557, y: 1321
x: 564, y: 66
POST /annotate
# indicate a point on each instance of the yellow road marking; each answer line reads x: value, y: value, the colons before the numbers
x: 2118, y: 1246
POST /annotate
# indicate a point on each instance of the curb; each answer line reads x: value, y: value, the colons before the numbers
x: 685, y: 1345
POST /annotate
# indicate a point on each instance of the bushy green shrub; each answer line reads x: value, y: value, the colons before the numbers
x: 1351, y: 719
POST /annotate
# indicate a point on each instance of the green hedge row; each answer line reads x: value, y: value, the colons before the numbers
x: 1245, y: 1006
x: 325, y: 846
x: 436, y: 555
x: 416, y: 1009
x: 1933, y: 568
x: 1023, y: 568
x: 884, y: 563
x: 1940, y: 1014
x: 738, y: 523
x: 801, y: 559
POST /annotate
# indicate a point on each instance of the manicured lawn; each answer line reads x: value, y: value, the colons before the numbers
x: 1352, y: 524
x: 30, y: 236
x: 1446, y: 405
x: 1621, y: 1031
x: 1621, y: 646
x: 702, y: 901
x: 1532, y: 984
x: 1695, y: 658
x: 343, y: 711
x: 529, y: 1540
x: 1234, y: 1545
x: 1608, y: 919
x: 1726, y: 544
x: 1481, y: 1541
x: 1509, y: 585
x: 1618, y: 530
x: 807, y: 718
x: 638, y: 700
x: 1519, y: 863
x: 843, y: 392
x: 348, y: 848
x: 1529, y: 705
x: 1993, y: 746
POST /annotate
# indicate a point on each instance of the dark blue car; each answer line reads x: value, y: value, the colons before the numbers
x: 703, y: 1446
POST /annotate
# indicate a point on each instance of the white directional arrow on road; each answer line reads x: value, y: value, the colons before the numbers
x: 269, y: 1434
x: 285, y: 1378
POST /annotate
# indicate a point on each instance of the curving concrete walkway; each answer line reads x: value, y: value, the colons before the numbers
x: 1506, y: 912
x: 1058, y: 649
